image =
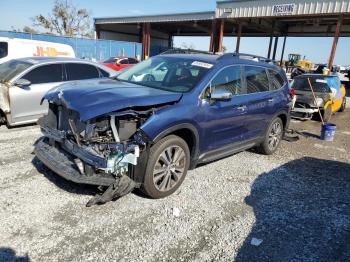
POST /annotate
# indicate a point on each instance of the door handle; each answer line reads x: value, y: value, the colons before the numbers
x: 241, y: 107
x: 270, y: 100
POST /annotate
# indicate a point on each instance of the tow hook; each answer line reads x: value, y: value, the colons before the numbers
x: 121, y: 187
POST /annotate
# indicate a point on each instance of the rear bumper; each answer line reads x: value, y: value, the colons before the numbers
x: 63, y: 164
x: 304, y: 110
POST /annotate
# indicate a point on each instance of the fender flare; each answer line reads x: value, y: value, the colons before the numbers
x: 286, y: 115
x: 192, y: 129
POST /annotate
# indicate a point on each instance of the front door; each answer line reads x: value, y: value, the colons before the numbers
x: 225, y: 121
x: 25, y: 100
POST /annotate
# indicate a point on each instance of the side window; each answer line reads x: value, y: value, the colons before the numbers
x: 124, y: 61
x: 104, y: 73
x: 81, y: 71
x: 132, y: 61
x: 3, y: 49
x: 45, y: 74
x: 257, y: 80
x: 228, y: 79
x: 276, y: 80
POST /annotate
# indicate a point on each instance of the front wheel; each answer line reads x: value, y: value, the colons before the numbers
x: 167, y: 167
x: 273, y: 137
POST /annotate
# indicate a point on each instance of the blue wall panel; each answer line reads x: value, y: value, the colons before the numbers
x: 86, y: 48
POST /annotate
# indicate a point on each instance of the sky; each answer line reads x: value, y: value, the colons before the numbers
x: 16, y: 14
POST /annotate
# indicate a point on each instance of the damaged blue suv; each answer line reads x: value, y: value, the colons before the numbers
x: 158, y: 119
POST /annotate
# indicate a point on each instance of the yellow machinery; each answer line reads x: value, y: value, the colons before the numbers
x: 296, y: 61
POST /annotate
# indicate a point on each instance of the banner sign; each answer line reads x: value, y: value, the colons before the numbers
x: 286, y: 9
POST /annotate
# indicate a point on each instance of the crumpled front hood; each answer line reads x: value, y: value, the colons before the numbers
x: 93, y: 98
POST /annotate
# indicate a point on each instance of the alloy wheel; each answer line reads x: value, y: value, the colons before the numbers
x: 275, y: 136
x: 169, y: 168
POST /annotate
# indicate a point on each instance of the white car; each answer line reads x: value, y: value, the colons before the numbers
x: 23, y: 82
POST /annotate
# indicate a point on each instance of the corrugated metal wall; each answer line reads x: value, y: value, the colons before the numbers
x: 264, y: 8
x: 86, y: 48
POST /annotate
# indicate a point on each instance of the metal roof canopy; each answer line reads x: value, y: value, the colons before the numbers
x: 303, y: 18
x: 241, y: 18
x: 309, y: 18
x: 192, y: 24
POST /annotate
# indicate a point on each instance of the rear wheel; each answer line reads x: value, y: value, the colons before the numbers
x: 273, y: 137
x: 343, y: 105
x: 167, y: 167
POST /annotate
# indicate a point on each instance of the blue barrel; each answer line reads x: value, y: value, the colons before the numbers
x: 328, y: 131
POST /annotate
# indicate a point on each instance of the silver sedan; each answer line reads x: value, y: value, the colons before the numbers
x: 23, y: 82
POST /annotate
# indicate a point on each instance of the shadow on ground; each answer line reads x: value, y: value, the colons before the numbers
x: 302, y: 212
x: 9, y: 255
x: 72, y: 187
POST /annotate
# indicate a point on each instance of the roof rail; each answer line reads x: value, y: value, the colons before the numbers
x: 185, y: 51
x: 251, y: 57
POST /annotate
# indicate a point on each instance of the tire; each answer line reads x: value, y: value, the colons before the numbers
x: 343, y: 105
x: 170, y: 172
x: 273, y: 137
x: 327, y: 114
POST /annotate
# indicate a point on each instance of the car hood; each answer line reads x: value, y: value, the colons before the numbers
x: 93, y: 98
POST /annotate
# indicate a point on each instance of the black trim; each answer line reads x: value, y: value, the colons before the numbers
x: 194, y: 150
x: 228, y: 150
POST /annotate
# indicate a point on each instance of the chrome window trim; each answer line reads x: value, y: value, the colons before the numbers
x: 242, y: 79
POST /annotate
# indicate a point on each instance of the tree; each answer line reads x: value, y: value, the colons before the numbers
x: 66, y: 20
x: 29, y: 30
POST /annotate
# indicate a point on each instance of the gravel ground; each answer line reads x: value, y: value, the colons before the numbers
x: 296, y: 201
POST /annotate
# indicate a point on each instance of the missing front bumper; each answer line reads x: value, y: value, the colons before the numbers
x: 63, y: 164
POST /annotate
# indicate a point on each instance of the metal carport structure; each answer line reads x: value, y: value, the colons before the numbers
x: 240, y: 18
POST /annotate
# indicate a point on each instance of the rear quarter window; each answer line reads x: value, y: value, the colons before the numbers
x: 276, y: 80
x: 81, y: 71
x: 104, y: 73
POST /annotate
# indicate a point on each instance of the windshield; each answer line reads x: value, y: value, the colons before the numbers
x: 319, y: 84
x: 10, y: 69
x: 3, y: 49
x: 167, y: 73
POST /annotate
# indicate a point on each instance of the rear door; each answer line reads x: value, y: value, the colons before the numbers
x: 259, y: 101
x: 25, y: 100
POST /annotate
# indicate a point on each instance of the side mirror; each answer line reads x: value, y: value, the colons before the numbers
x: 22, y: 82
x: 220, y: 95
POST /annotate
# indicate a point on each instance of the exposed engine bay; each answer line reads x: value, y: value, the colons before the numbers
x: 108, y: 146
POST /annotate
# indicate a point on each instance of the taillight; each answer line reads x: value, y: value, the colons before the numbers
x: 292, y: 92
